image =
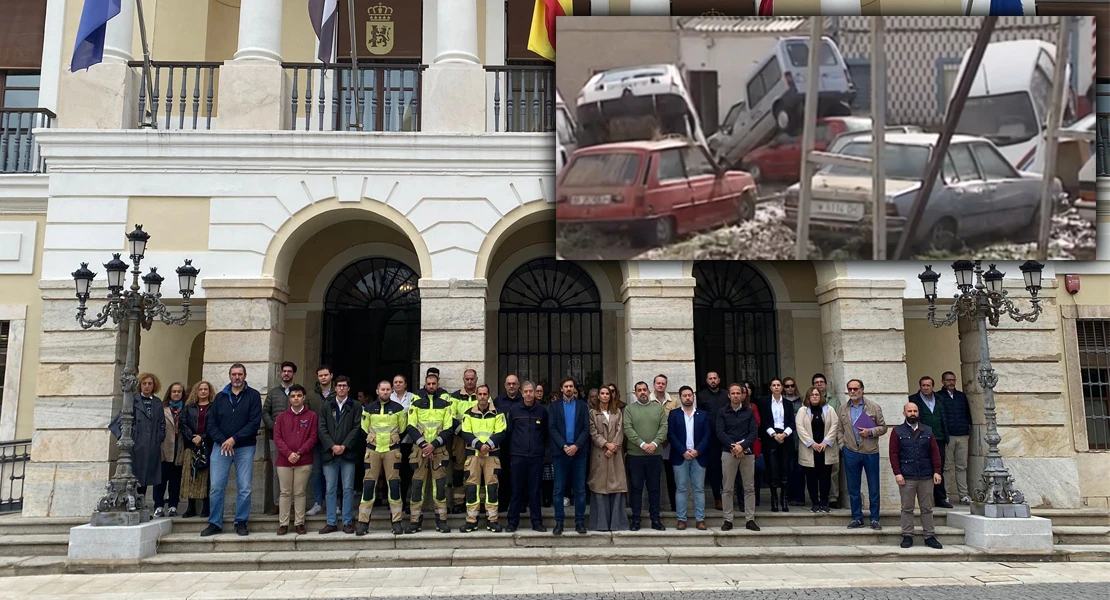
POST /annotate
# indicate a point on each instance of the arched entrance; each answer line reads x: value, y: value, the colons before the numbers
x: 549, y: 324
x: 735, y: 330
x: 372, y: 322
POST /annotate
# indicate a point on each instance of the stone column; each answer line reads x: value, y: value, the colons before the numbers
x: 246, y: 324
x: 659, y: 331
x: 1030, y: 408
x: 863, y: 335
x: 254, y: 90
x: 78, y: 395
x: 452, y: 331
x: 454, y: 86
x: 106, y: 95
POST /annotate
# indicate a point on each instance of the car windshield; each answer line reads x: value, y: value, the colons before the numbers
x: 562, y: 127
x: 901, y: 161
x: 1003, y: 119
x: 611, y: 169
x: 799, y: 54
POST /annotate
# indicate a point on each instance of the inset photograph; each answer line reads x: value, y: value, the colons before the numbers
x: 715, y: 137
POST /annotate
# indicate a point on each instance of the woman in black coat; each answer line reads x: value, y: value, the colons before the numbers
x: 148, y: 432
x: 198, y: 446
x: 778, y: 443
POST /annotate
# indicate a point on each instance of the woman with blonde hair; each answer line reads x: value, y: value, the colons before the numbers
x: 172, y: 453
x: 148, y: 431
x: 818, y: 431
x: 608, y: 481
x: 194, y: 476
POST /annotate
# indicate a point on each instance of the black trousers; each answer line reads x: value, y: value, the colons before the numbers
x: 644, y: 470
x: 526, y: 477
x: 406, y: 476
x: 778, y: 463
x: 171, y: 478
x: 819, y: 480
x: 939, y: 493
x: 505, y: 480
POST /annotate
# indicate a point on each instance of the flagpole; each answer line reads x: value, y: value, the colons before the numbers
x: 146, y: 69
x: 355, y: 74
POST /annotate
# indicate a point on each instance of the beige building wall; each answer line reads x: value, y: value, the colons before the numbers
x: 929, y: 351
x: 23, y: 290
x: 167, y: 349
x: 807, y: 354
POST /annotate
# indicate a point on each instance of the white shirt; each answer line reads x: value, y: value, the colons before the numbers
x: 930, y: 401
x: 778, y: 415
x: 689, y: 416
x: 404, y: 401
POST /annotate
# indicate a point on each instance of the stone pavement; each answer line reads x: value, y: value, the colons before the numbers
x: 904, y: 581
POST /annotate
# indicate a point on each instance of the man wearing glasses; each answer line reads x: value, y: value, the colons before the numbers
x: 957, y: 419
x: 822, y: 386
x: 863, y: 424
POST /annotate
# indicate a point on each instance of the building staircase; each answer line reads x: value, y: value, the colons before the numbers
x: 39, y: 545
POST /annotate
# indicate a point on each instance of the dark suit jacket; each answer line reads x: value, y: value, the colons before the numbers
x: 676, y: 435
x: 767, y: 421
x: 557, y: 427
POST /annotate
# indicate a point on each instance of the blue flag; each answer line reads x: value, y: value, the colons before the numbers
x: 89, y: 48
x: 1006, y: 8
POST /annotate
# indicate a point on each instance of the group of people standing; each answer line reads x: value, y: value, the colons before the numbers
x: 462, y: 451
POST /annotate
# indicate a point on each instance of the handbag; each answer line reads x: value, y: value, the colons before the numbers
x: 200, y: 459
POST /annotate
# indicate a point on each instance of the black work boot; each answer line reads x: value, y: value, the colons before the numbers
x: 397, y: 528
x: 363, y: 528
x: 442, y: 526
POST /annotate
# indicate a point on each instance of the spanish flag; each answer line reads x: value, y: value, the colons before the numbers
x: 542, y: 39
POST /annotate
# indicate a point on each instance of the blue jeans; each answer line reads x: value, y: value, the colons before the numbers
x: 316, y: 478
x: 690, y: 471
x: 219, y: 467
x: 573, y: 467
x: 332, y: 471
x: 854, y: 464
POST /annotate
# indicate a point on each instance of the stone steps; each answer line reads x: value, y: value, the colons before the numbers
x: 1080, y: 535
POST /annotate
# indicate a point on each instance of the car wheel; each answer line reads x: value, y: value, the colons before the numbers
x: 745, y: 207
x: 661, y: 232
x: 785, y: 121
x: 943, y: 236
x: 752, y: 170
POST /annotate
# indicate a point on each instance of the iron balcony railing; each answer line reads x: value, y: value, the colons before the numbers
x: 386, y: 95
x: 523, y: 97
x: 18, y: 151
x: 184, y: 95
x: 14, y: 457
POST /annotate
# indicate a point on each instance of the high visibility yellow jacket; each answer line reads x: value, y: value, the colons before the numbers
x: 431, y: 420
x: 384, y: 424
x: 486, y: 427
x: 462, y: 402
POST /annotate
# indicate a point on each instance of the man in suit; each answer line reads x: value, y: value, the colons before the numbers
x: 957, y: 422
x: 931, y: 411
x: 568, y: 427
x: 776, y: 416
x: 689, y: 435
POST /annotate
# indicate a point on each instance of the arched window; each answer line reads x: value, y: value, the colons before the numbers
x: 549, y: 325
x: 735, y: 330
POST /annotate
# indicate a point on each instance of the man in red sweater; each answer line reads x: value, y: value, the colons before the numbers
x: 295, y: 432
x: 915, y: 458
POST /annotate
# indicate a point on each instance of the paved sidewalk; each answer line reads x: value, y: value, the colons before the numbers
x: 1047, y: 580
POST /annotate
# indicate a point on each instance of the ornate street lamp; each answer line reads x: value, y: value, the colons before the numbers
x: 122, y: 505
x: 982, y: 298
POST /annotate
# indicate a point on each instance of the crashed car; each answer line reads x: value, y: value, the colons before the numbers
x: 979, y: 194
x: 655, y: 190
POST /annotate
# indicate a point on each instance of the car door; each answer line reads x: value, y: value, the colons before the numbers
x: 669, y: 192
x: 963, y: 197
x: 709, y: 191
x: 782, y: 161
x: 1013, y: 199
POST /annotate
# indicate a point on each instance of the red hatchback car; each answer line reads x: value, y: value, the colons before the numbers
x: 781, y: 158
x: 653, y: 189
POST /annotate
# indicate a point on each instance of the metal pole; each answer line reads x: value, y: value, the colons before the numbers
x: 146, y: 69
x: 356, y: 76
x: 878, y: 138
x: 1052, y: 130
x: 951, y: 117
x: 809, y: 135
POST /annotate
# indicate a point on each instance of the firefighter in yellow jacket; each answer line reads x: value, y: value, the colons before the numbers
x: 483, y: 429
x: 384, y: 422
x: 463, y: 400
x: 431, y: 421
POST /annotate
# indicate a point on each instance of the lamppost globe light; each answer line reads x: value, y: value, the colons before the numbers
x: 929, y: 281
x: 994, y: 278
x: 153, y: 282
x: 116, y: 269
x: 83, y: 277
x: 137, y: 240
x: 965, y: 274
x: 187, y: 278
x: 1031, y: 270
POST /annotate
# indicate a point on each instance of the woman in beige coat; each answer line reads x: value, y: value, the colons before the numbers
x: 173, y: 453
x: 818, y: 435
x: 608, y: 482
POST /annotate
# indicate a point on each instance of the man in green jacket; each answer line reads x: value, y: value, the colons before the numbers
x: 276, y: 402
x: 645, y: 430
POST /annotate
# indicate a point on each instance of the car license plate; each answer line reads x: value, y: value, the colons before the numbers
x: 840, y: 209
x: 590, y: 200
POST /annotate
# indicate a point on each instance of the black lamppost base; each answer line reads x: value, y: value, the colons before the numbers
x: 120, y: 518
x: 1010, y: 511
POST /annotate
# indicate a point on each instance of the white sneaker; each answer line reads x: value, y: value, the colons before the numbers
x: 158, y: 512
x: 173, y: 511
x: 965, y: 500
x: 566, y: 501
x: 315, y: 510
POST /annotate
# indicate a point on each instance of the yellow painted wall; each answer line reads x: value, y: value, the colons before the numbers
x: 808, y: 350
x: 24, y: 290
x: 298, y: 41
x: 178, y: 30
x: 800, y: 279
x: 481, y: 31
x: 1093, y: 289
x: 222, y: 30
x: 176, y: 224
x: 165, y: 350
x: 930, y: 351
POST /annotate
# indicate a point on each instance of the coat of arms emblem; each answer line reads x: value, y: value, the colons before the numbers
x: 379, y: 29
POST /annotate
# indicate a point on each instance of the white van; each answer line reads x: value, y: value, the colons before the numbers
x: 566, y: 134
x: 1010, y: 98
x: 774, y: 97
x: 636, y: 103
